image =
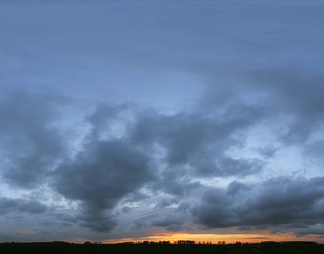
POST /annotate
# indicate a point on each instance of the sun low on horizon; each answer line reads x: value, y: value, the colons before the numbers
x: 132, y: 121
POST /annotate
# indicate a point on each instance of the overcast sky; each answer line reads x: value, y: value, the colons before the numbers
x: 136, y: 119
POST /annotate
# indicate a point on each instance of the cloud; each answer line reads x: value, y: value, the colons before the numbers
x: 128, y: 153
x: 17, y: 206
x: 30, y: 143
x: 128, y: 148
x: 172, y: 222
x: 311, y: 230
x: 196, y: 143
x: 280, y: 201
x: 293, y: 99
x: 100, y: 176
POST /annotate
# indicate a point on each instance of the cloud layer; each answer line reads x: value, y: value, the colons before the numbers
x: 192, y: 167
x: 126, y: 119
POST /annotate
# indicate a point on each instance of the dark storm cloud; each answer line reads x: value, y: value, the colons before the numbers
x: 236, y: 187
x: 280, y: 201
x: 102, y: 174
x: 30, y: 143
x: 97, y: 220
x: 128, y: 148
x: 172, y: 222
x: 107, y: 169
x: 166, y: 151
x: 194, y: 143
x: 311, y: 230
x: 11, y: 206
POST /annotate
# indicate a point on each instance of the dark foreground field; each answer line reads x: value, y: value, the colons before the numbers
x: 61, y: 248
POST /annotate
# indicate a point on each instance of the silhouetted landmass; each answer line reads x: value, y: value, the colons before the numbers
x: 156, y: 248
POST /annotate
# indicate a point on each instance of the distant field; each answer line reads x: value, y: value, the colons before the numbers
x: 61, y: 248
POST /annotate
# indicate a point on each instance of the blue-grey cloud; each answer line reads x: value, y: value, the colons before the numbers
x: 100, y: 176
x: 196, y: 142
x: 285, y: 201
x: 296, y: 97
x: 10, y: 206
x: 30, y: 143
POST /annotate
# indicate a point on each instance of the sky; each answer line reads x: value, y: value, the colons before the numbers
x: 161, y: 120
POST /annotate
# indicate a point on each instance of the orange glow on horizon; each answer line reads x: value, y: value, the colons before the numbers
x: 215, y: 238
